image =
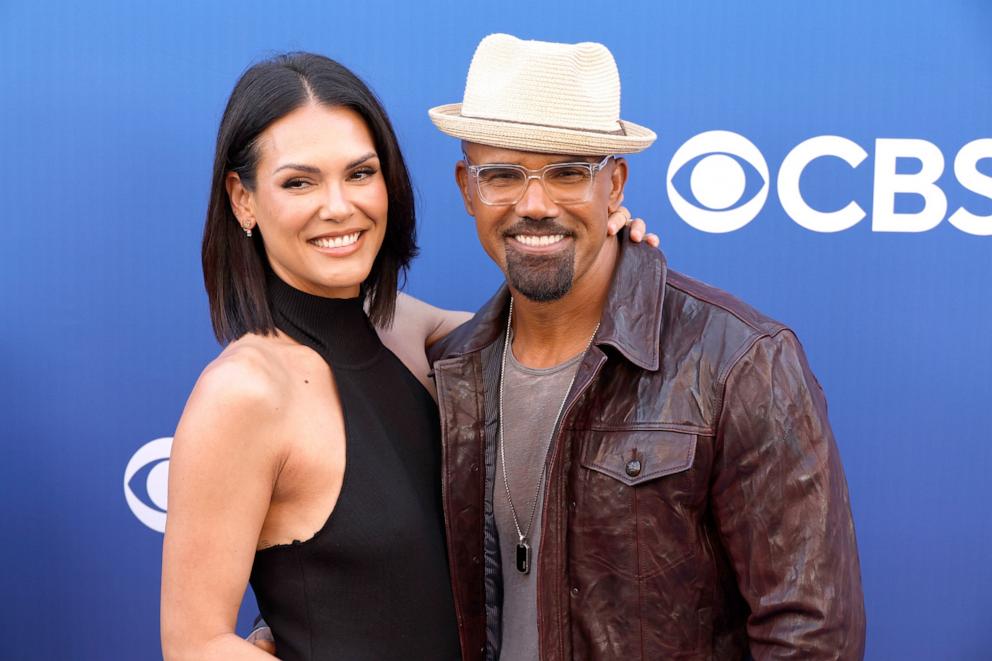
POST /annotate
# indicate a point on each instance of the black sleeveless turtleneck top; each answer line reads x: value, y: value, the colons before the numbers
x: 373, y: 582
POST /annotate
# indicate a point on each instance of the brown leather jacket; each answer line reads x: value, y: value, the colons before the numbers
x: 695, y: 507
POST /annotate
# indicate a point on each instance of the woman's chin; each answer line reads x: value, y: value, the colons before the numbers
x: 342, y: 284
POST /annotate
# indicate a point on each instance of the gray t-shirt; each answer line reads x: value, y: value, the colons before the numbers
x: 531, y: 399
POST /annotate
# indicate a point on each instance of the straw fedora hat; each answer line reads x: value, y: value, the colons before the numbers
x: 543, y: 97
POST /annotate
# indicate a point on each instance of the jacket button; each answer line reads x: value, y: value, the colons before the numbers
x: 633, y: 467
x: 575, y: 592
x: 474, y: 468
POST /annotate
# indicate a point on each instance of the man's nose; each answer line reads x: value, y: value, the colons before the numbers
x: 535, y: 202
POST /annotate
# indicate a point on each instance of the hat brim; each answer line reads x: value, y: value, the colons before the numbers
x: 538, y: 138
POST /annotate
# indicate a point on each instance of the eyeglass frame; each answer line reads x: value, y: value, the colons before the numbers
x: 594, y: 169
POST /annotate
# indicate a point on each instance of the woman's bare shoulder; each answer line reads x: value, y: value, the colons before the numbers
x: 249, y: 370
x: 242, y: 393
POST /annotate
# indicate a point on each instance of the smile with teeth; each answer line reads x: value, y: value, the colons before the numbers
x: 336, y: 241
x: 538, y: 241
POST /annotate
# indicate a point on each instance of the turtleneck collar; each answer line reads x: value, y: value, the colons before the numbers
x: 336, y: 328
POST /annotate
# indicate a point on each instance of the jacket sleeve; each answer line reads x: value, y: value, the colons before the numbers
x: 781, y: 506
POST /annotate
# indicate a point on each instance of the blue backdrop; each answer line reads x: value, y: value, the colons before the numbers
x: 108, y: 113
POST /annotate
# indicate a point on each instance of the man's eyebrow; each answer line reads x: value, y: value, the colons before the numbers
x: 558, y: 160
x: 576, y: 159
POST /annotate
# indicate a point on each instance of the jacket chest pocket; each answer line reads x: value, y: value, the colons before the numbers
x: 636, y: 457
x: 637, y: 503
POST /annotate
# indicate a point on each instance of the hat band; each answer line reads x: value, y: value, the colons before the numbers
x: 619, y: 131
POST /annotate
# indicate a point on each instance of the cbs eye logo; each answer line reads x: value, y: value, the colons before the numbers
x: 726, y: 198
x: 146, y: 483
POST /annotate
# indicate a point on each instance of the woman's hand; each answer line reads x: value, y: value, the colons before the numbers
x: 261, y: 637
x: 638, y: 230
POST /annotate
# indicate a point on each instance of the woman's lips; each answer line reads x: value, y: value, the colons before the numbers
x: 340, y: 245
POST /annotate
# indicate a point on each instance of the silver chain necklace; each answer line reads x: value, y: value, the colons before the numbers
x: 523, y: 544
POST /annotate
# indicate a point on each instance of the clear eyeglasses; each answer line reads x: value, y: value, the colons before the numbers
x: 565, y: 183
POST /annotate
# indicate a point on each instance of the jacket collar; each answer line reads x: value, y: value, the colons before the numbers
x: 632, y: 316
x: 631, y: 320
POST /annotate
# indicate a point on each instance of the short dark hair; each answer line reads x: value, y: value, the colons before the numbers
x: 234, y: 267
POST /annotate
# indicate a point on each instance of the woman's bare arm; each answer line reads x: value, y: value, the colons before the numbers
x: 416, y: 326
x: 444, y: 321
x: 221, y: 476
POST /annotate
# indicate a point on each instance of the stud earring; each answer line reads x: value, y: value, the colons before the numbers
x: 247, y: 229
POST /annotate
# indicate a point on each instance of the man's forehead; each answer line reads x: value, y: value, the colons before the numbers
x: 481, y: 154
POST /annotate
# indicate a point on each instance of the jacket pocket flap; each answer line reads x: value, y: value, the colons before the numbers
x: 637, y: 456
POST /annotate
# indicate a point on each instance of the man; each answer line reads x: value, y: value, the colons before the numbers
x: 645, y: 469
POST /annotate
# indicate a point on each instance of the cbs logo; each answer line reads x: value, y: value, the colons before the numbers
x: 727, y: 197
x: 718, y: 181
x: 146, y: 483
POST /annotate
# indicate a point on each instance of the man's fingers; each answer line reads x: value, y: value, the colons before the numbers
x: 653, y: 240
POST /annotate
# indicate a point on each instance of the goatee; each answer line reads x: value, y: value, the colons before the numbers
x: 541, y: 278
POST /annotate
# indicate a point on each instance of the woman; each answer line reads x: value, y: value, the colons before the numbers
x: 306, y: 412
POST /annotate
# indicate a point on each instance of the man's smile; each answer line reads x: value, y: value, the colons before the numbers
x: 539, y: 242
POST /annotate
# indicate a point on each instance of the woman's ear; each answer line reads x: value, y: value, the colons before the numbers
x: 241, y: 199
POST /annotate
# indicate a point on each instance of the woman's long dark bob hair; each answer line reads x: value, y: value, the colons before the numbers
x: 234, y: 266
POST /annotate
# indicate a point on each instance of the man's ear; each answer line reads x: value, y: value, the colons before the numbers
x: 618, y: 179
x: 461, y: 178
x: 241, y: 199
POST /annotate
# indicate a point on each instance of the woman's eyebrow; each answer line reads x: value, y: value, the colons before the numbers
x: 360, y: 160
x: 298, y: 166
x: 310, y: 169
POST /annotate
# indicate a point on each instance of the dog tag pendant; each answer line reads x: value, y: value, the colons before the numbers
x: 523, y: 556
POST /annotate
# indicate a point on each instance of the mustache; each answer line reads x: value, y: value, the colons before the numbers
x: 536, y: 226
